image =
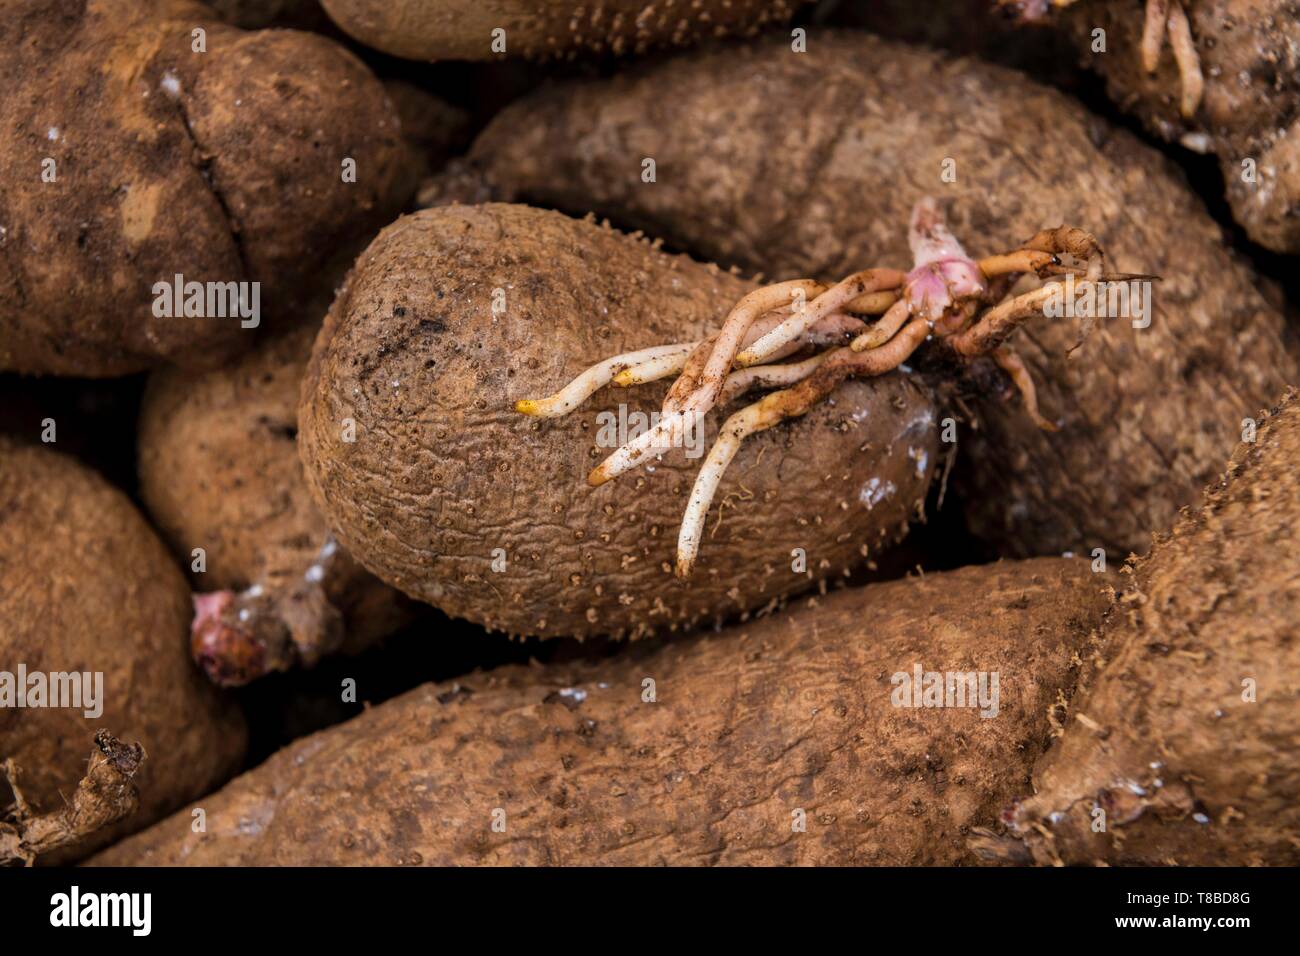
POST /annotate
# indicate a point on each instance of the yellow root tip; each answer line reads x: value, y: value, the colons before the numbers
x: 527, y: 406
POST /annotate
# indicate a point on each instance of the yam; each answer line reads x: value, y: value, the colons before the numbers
x: 431, y: 480
x: 781, y: 741
x: 1185, y: 747
x: 146, y: 139
x: 545, y: 29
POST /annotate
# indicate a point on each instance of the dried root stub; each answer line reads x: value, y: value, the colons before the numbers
x: 239, y: 636
x: 105, y: 795
x: 305, y: 608
x: 947, y: 296
x: 1185, y: 746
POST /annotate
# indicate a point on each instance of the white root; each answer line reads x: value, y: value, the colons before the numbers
x: 884, y: 330
x: 735, y: 430
x: 768, y: 376
x: 596, y: 378
x: 828, y: 303
x: 652, y: 370
x: 667, y: 434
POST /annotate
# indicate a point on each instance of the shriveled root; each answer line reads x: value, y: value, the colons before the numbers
x: 1043, y: 255
x: 105, y: 795
x: 996, y: 325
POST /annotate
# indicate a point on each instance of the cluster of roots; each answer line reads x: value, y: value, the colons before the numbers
x: 865, y: 325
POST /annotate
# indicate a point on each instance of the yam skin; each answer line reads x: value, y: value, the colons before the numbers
x: 445, y: 480
x: 219, y: 470
x: 790, y: 712
x: 1165, y: 741
x: 546, y: 29
x: 1250, y: 110
x: 85, y: 585
x: 222, y: 166
x: 809, y: 164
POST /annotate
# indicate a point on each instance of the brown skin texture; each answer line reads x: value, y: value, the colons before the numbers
x: 1214, y: 603
x: 236, y: 176
x: 85, y: 585
x: 219, y: 470
x: 1250, y: 59
x: 545, y: 29
x: 444, y: 471
x: 789, y: 712
x: 789, y: 163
